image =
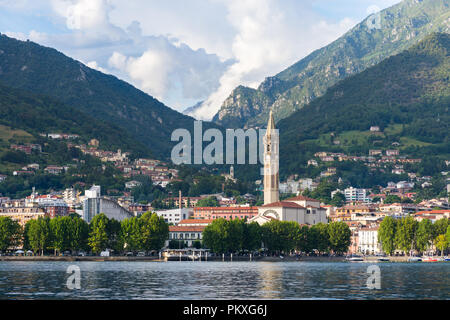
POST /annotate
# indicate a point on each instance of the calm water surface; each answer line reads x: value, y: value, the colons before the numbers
x: 223, y: 280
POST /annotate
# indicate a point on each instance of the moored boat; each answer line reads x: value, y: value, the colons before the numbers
x: 354, y: 258
x: 414, y: 259
x: 429, y: 259
x: 383, y: 259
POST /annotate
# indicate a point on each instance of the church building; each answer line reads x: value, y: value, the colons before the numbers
x: 300, y: 209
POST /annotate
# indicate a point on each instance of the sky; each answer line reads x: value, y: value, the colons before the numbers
x: 185, y: 51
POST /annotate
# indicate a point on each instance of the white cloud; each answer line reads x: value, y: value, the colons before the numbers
x: 94, y: 65
x: 270, y: 36
x: 186, y: 51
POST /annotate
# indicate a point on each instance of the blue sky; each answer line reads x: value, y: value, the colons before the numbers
x: 180, y: 51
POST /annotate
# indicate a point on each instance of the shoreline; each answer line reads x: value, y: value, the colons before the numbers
x: 210, y: 259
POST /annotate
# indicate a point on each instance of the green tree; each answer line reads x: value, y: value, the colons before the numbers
x: 447, y: 234
x: 306, y: 238
x: 114, y: 235
x: 177, y: 244
x: 197, y: 244
x: 131, y: 234
x: 406, y: 234
x: 215, y: 236
x: 440, y: 227
x: 321, y: 238
x: 235, y: 235
x: 98, y: 235
x: 10, y: 233
x: 208, y: 202
x: 386, y: 234
x: 252, y: 236
x: 392, y: 199
x: 281, y: 236
x: 154, y: 231
x: 441, y: 243
x: 79, y: 233
x: 338, y: 200
x: 340, y: 237
x: 60, y: 231
x: 424, y: 235
x: 39, y: 234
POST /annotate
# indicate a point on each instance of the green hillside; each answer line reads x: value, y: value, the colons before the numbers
x: 407, y: 96
x: 35, y: 114
x: 402, y: 26
x: 45, y: 71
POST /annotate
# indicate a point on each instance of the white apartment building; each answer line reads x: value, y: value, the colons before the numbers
x: 354, y: 195
x: 175, y: 215
x: 368, y: 241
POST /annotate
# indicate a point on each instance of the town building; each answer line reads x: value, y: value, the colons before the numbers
x: 22, y: 214
x: 368, y: 241
x: 354, y: 195
x: 400, y: 209
x: 185, y: 233
x: 132, y: 184
x: 138, y: 208
x: 432, y: 215
x: 54, y: 170
x: 94, y: 204
x: 174, y: 216
x: 300, y: 209
x: 195, y: 222
x: 186, y: 202
x: 228, y: 213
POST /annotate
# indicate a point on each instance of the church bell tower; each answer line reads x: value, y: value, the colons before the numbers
x: 271, y: 163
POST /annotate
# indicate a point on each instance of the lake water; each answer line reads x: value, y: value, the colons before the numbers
x: 223, y: 280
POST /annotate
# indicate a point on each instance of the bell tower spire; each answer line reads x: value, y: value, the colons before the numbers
x: 271, y: 163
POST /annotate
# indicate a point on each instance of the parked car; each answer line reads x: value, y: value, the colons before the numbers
x: 141, y: 254
x: 104, y: 253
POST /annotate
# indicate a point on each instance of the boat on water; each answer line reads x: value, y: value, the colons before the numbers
x: 185, y: 254
x: 414, y: 259
x: 430, y: 259
x: 383, y: 259
x: 447, y: 258
x: 354, y: 258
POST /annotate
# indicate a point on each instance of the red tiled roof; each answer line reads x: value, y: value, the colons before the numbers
x: 225, y: 209
x: 284, y: 204
x: 186, y: 228
x: 302, y: 198
x: 433, y: 212
x: 196, y: 221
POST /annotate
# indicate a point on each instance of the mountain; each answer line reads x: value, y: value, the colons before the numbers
x: 35, y: 114
x: 402, y: 26
x: 190, y: 110
x: 406, y: 95
x: 45, y: 71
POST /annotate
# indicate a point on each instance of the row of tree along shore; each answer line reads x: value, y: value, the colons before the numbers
x: 149, y: 232
x: 44, y: 235
x: 411, y: 236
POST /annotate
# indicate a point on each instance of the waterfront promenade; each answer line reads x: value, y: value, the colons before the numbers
x: 210, y: 259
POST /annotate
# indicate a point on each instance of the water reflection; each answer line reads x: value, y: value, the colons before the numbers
x: 223, y: 280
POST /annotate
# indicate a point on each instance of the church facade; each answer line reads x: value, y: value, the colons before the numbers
x: 300, y: 209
